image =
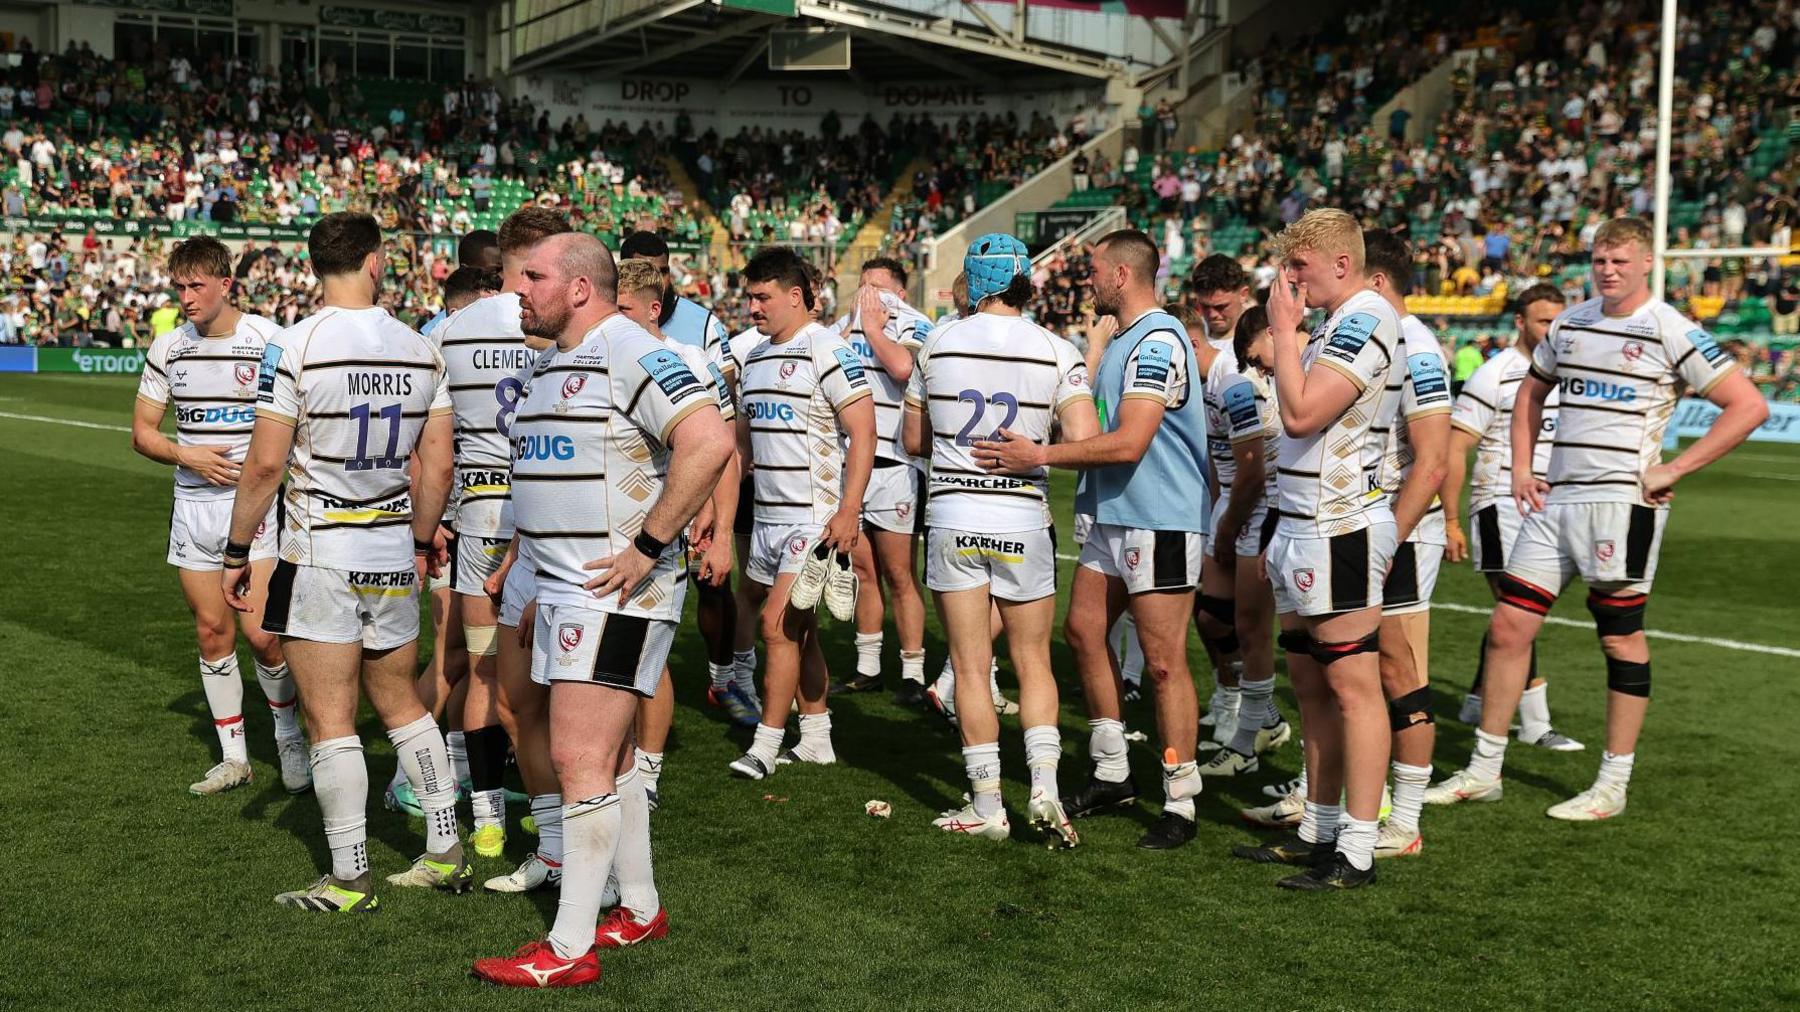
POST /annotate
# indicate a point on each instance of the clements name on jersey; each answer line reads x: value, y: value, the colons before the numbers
x: 508, y: 359
x: 367, y: 384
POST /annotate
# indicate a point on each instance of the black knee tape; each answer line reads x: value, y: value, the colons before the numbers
x: 1222, y: 610
x: 1297, y: 641
x: 1325, y: 653
x: 1617, y: 614
x: 1631, y: 678
x: 1525, y: 596
x: 1411, y: 710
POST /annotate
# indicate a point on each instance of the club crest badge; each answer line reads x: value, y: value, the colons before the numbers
x: 1303, y: 579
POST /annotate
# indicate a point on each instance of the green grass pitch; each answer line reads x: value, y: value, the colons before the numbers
x: 122, y: 892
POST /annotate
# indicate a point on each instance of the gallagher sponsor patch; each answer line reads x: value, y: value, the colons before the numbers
x: 670, y: 373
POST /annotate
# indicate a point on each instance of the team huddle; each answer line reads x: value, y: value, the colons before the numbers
x: 572, y: 445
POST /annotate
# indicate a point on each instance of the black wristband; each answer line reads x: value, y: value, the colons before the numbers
x: 651, y: 547
x: 422, y: 547
x: 235, y: 555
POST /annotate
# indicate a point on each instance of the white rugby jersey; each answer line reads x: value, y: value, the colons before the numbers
x: 1251, y: 413
x: 792, y: 393
x: 590, y: 448
x: 211, y: 381
x: 908, y: 328
x: 1331, y: 480
x: 484, y: 352
x: 1620, y: 378
x: 357, y: 385
x: 1484, y: 409
x: 738, y: 349
x: 1218, y: 423
x: 981, y: 374
x: 707, y: 368
x: 1422, y: 383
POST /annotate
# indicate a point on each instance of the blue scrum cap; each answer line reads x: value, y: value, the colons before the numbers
x: 991, y: 264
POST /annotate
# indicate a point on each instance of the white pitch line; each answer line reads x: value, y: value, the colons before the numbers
x: 1711, y: 641
x: 1774, y: 477
x: 65, y: 421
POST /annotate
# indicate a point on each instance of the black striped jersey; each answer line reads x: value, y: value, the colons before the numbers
x: 1247, y: 400
x: 1619, y: 380
x: 484, y: 351
x: 1484, y: 409
x: 1332, y: 478
x: 984, y: 373
x: 590, y: 449
x: 908, y: 328
x: 211, y: 383
x: 357, y: 386
x: 792, y: 393
x: 1421, y: 382
x: 1218, y: 422
x: 738, y: 350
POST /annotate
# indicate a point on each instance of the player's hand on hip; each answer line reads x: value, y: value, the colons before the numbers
x: 213, y: 463
x: 1009, y: 451
x: 1456, y: 543
x: 619, y: 573
x: 1659, y: 484
x: 235, y: 581
x: 1529, y: 492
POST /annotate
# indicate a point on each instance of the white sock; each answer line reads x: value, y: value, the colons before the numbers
x: 721, y: 674
x: 868, y: 654
x: 1131, y: 655
x: 649, y: 766
x: 1226, y: 701
x: 341, y: 781
x: 982, y: 763
x: 1356, y: 841
x: 1319, y: 822
x: 1409, y: 794
x: 815, y: 738
x: 631, y: 865
x: 912, y: 666
x: 488, y: 807
x: 1043, y: 751
x: 1302, y: 787
x: 945, y: 686
x: 1106, y: 744
x: 547, y: 812
x: 743, y: 664
x: 766, y: 744
x: 1615, y: 770
x: 1534, y: 713
x: 1256, y: 700
x: 459, y: 755
x: 225, y: 698
x: 1490, y: 752
x: 1181, y: 785
x: 591, y: 827
x: 278, y: 688
x: 420, y: 747
x: 994, y: 684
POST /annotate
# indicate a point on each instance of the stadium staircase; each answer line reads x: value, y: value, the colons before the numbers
x: 869, y: 239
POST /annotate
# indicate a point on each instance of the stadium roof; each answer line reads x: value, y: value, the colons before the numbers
x: 701, y: 38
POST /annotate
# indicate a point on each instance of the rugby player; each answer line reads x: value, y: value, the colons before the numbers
x: 1482, y: 421
x: 1619, y: 363
x: 1220, y: 291
x: 206, y: 369
x: 1411, y: 474
x: 1142, y: 479
x: 992, y: 542
x: 616, y: 446
x: 1333, y: 541
x: 886, y: 333
x: 479, y: 249
x: 1239, y: 392
x: 686, y: 322
x: 804, y: 392
x: 353, y: 407
x: 641, y: 291
x: 485, y: 354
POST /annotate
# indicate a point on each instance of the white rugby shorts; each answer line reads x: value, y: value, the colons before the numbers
x: 1145, y: 560
x: 1411, y: 578
x: 1612, y: 546
x: 892, y: 500
x: 777, y: 549
x: 199, y: 528
x: 472, y: 560
x: 1014, y: 567
x: 1253, y: 538
x: 517, y: 591
x: 1314, y: 575
x: 378, y: 610
x: 1492, y: 530
x: 573, y: 643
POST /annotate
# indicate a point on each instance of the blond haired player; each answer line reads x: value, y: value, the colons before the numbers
x: 352, y: 407
x: 206, y: 370
x: 1619, y: 363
